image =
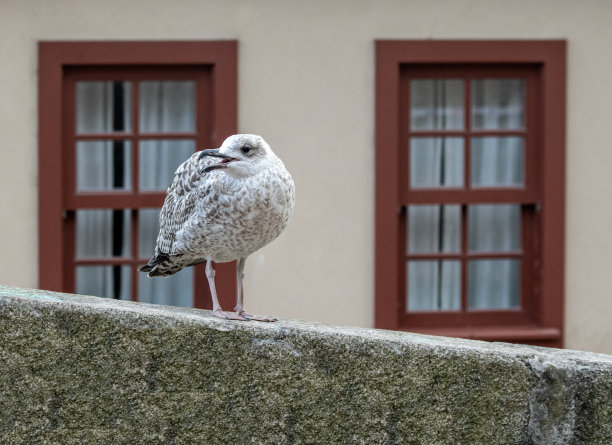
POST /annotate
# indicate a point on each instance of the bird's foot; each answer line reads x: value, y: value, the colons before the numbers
x: 256, y: 317
x: 229, y: 315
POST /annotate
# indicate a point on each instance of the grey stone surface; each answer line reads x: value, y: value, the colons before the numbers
x: 76, y: 369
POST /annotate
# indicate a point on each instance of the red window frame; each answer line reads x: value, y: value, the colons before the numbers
x: 542, y: 65
x: 212, y: 65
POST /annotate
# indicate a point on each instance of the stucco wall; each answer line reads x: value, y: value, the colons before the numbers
x: 306, y: 82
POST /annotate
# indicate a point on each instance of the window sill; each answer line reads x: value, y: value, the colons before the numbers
x: 515, y: 334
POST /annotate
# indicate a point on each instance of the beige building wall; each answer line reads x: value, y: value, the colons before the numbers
x: 306, y: 83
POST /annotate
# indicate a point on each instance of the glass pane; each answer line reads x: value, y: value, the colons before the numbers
x: 148, y: 229
x: 104, y: 281
x: 434, y: 228
x: 436, y: 162
x: 434, y: 285
x: 103, y: 107
x: 159, y: 160
x: 102, y: 233
x: 498, y: 104
x: 176, y: 290
x: 497, y: 162
x: 494, y: 228
x: 167, y: 106
x: 493, y: 284
x: 103, y: 165
x: 436, y: 104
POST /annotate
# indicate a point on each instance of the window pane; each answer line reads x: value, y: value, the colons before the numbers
x: 102, y: 233
x: 104, y: 281
x: 434, y: 228
x: 148, y: 229
x: 103, y: 165
x: 494, y: 228
x: 436, y: 104
x: 159, y: 160
x: 434, y: 285
x: 497, y: 162
x: 493, y: 284
x: 436, y: 162
x: 103, y: 107
x: 498, y: 104
x: 176, y: 290
x: 167, y: 106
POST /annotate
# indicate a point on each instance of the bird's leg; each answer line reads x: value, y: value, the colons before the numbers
x: 239, y: 285
x: 217, y: 312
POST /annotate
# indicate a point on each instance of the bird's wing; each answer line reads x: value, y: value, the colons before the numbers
x: 180, y: 202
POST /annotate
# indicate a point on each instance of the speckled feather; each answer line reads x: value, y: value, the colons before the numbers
x: 221, y: 216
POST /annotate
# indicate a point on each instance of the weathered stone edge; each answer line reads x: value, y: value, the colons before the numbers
x: 170, y: 315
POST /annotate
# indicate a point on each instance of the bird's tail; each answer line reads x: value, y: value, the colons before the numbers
x: 145, y: 268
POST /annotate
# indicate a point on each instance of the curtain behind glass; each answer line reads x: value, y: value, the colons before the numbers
x: 104, y: 165
x: 437, y: 162
x: 496, y: 161
x: 493, y: 283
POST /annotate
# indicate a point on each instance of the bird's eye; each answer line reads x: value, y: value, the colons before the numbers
x: 245, y: 149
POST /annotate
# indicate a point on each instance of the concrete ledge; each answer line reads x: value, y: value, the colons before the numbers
x: 78, y: 369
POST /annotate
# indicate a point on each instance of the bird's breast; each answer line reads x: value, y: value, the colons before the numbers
x: 237, y: 218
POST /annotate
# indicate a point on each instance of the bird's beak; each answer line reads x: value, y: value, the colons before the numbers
x: 214, y: 152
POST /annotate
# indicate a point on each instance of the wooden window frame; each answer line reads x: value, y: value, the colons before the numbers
x: 60, y: 63
x: 547, y: 60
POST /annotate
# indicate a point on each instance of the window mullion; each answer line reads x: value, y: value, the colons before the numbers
x: 466, y: 184
x: 135, y: 137
x: 464, y: 260
x: 467, y: 142
x: 135, y: 254
x: 135, y: 186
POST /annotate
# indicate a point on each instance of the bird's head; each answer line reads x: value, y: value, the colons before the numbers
x: 240, y: 155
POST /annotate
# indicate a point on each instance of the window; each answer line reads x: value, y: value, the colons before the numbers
x: 470, y: 189
x: 116, y: 119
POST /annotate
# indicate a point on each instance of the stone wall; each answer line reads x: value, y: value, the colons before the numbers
x: 77, y: 369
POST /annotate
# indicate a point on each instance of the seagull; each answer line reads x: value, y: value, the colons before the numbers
x: 223, y: 205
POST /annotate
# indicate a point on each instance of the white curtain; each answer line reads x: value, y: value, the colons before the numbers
x: 158, y: 161
x: 99, y: 113
x: 102, y: 281
x: 96, y: 167
x: 434, y: 285
x: 493, y: 283
x: 437, y: 104
x: 95, y: 233
x: 496, y: 162
x: 97, y: 110
x: 105, y: 165
x: 438, y: 162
